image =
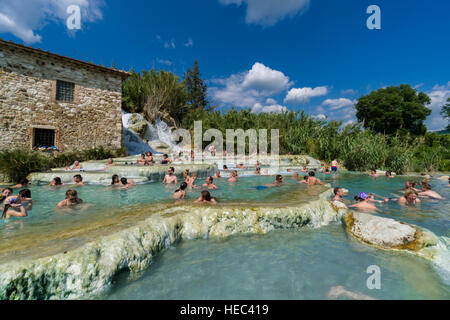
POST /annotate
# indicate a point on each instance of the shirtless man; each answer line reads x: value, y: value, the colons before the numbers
x: 304, y: 169
x: 233, y: 177
x: 170, y: 177
x: 209, y: 183
x: 305, y: 180
x: 427, y: 192
x: 76, y: 166
x: 312, y: 180
x: 338, y: 194
x: 217, y: 176
x: 373, y: 173
x: 410, y: 197
x: 278, y: 181
x: 109, y: 164
x: 78, y: 180
x: 191, y: 181
x: 141, y: 161
x: 364, y: 203
x: 71, y: 199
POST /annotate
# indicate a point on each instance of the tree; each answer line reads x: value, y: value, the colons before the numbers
x: 393, y: 109
x: 445, y: 112
x: 196, y: 88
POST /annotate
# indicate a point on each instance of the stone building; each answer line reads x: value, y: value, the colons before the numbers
x: 51, y: 100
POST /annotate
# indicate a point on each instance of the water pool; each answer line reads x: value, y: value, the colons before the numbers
x: 299, y: 264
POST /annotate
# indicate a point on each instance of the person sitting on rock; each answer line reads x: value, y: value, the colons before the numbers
x: 149, y: 158
x: 364, y: 203
x: 110, y: 163
x: 76, y: 166
x: 427, y: 192
x: 141, y: 161
x: 165, y: 159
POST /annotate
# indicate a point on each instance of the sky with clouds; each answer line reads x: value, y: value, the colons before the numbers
x: 264, y: 55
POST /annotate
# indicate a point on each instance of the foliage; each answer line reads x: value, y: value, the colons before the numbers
x: 196, y: 88
x: 445, y: 112
x: 393, y: 109
x: 18, y: 164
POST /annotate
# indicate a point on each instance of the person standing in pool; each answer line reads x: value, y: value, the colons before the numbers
x: 170, y: 177
x: 278, y: 181
x: 78, y: 180
x: 312, y: 180
x: 205, y: 197
x: 180, y: 193
x: 71, y: 199
x: 334, y: 165
x: 233, y: 177
x: 209, y: 183
x: 191, y: 181
x: 217, y: 176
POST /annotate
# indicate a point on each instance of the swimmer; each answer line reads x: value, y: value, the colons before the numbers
x: 166, y: 159
x: 14, y: 207
x: 209, y: 183
x: 364, y: 202
x: 225, y: 168
x: 373, y: 173
x: 205, y: 197
x: 217, y: 176
x: 389, y: 174
x: 170, y: 177
x: 258, y: 171
x: 78, y: 179
x: 126, y: 184
x: 305, y: 179
x: 338, y: 194
x: 312, y: 180
x: 56, y: 182
x: 427, y: 192
x: 278, y: 181
x: 180, y: 193
x: 115, y: 180
x: 334, y: 165
x: 410, y: 197
x: 76, y: 166
x: 5, y: 194
x: 372, y: 199
x: 71, y: 199
x: 241, y: 166
x: 410, y: 185
x: 304, y: 169
x: 233, y: 177
x: 191, y: 182
x: 110, y: 163
x: 295, y: 176
x: 22, y: 184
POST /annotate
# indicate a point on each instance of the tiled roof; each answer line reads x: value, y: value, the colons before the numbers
x: 122, y: 73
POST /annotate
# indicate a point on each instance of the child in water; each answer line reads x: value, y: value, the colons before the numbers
x: 71, y: 199
x: 205, y: 197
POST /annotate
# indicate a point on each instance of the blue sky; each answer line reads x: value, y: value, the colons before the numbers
x: 265, y: 55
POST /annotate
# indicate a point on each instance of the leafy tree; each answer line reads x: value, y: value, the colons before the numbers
x: 393, y: 109
x: 445, y: 112
x: 196, y: 88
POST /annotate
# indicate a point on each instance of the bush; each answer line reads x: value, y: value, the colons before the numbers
x: 18, y: 164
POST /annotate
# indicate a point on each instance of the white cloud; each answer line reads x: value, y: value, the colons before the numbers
x: 275, y: 108
x: 166, y: 62
x: 269, y: 12
x: 271, y: 101
x: 247, y: 88
x: 190, y: 43
x: 23, y: 18
x: 349, y: 92
x: 338, y: 103
x: 321, y: 116
x: 439, y: 96
x: 302, y: 95
x: 170, y: 44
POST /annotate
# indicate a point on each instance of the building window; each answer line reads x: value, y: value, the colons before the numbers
x: 64, y: 91
x: 43, y: 138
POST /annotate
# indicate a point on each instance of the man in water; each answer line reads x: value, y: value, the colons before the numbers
x: 209, y: 183
x: 312, y: 180
x: 71, y: 199
x: 217, y: 176
x: 278, y: 181
x: 427, y: 192
x: 338, y: 194
x: 170, y: 177
x: 166, y: 159
x: 78, y: 179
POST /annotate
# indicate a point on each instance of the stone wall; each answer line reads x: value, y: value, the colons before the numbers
x: 28, y: 101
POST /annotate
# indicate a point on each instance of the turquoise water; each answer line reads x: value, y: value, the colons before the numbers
x: 299, y: 264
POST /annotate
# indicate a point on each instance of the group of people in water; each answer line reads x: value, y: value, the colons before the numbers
x: 18, y: 205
